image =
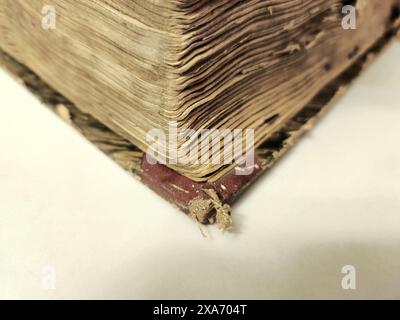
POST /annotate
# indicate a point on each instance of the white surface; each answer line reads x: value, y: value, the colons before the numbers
x: 333, y: 200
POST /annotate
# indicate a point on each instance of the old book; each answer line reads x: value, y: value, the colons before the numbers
x: 120, y: 69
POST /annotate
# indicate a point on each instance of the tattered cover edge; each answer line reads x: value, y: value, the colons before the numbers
x: 206, y: 202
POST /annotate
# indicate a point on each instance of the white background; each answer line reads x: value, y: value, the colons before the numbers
x: 334, y: 200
